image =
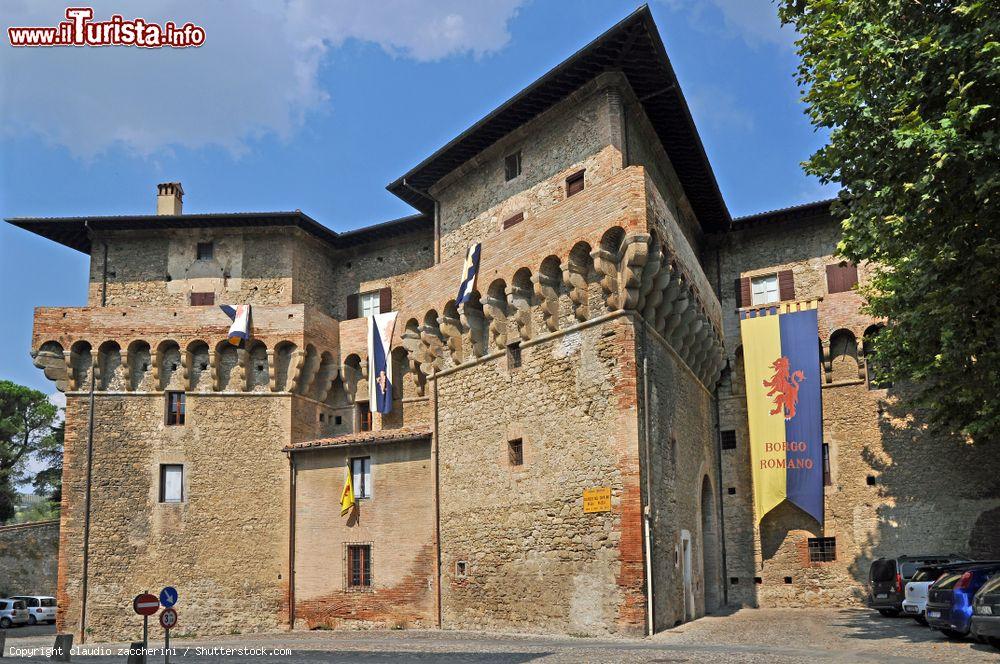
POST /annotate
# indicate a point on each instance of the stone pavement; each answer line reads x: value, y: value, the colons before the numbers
x: 767, y: 636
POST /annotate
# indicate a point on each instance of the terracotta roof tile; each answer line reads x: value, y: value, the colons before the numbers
x: 362, y: 438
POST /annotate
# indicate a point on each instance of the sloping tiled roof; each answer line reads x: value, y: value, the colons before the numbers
x: 803, y: 211
x: 362, y: 438
x: 74, y: 232
x: 632, y: 47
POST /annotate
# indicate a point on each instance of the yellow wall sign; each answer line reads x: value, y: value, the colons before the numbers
x: 597, y: 500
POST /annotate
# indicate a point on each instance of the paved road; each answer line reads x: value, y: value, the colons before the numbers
x: 28, y: 630
x: 766, y: 636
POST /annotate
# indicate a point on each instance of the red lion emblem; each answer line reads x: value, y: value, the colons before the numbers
x: 784, y: 387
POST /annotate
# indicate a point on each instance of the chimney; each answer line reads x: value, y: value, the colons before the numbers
x: 169, y: 198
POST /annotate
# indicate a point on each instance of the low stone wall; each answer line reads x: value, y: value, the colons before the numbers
x: 29, y: 554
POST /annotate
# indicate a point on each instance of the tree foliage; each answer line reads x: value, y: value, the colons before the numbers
x: 910, y: 91
x: 27, y: 419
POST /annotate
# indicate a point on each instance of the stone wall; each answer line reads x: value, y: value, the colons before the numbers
x: 579, y: 133
x: 684, y: 487
x: 224, y: 547
x: 160, y: 268
x: 398, y: 523
x: 29, y: 556
x: 534, y: 559
x: 896, y: 487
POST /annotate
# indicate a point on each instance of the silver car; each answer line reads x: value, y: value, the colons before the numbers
x: 12, y: 612
x: 41, y: 608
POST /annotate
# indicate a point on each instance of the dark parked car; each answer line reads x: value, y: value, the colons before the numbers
x: 986, y: 612
x: 949, y: 600
x: 887, y: 579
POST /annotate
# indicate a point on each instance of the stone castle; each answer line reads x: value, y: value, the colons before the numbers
x: 600, y: 356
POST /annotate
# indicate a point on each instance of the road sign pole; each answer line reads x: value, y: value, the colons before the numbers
x: 145, y: 637
x: 166, y: 646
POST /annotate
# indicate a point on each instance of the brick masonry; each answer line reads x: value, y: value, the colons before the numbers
x: 29, y: 554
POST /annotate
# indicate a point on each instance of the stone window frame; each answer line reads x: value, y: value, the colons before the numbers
x: 515, y: 431
x: 362, y: 588
x: 161, y: 483
x: 513, y: 158
x: 174, y: 417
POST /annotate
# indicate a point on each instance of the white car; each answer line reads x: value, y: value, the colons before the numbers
x: 41, y: 608
x: 12, y: 612
x: 915, y: 600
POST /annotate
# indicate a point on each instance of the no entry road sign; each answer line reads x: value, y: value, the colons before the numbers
x: 168, y: 618
x: 168, y: 597
x: 145, y: 604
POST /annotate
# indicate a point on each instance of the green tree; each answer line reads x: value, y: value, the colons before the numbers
x: 26, y: 427
x: 909, y: 91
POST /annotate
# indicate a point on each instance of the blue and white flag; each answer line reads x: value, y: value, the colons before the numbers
x: 239, y: 331
x: 470, y: 271
x: 380, y: 327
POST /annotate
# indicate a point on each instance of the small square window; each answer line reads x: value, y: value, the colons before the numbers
x: 206, y: 250
x: 515, y: 452
x: 338, y: 420
x: 512, y: 166
x: 732, y: 491
x: 788, y: 579
x: 734, y: 580
x: 361, y: 476
x: 757, y: 580
x: 513, y: 355
x: 364, y: 416
x: 870, y: 480
x: 175, y: 408
x: 171, y: 483
x: 764, y: 290
x: 822, y: 549
x: 728, y: 439
x: 359, y: 566
x: 574, y: 183
x: 461, y: 569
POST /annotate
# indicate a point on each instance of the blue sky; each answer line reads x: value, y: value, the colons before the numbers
x: 318, y: 105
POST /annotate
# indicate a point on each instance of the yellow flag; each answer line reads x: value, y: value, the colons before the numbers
x: 347, y: 495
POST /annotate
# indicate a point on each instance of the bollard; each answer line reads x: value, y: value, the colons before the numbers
x: 3, y: 640
x: 136, y: 654
x: 62, y: 647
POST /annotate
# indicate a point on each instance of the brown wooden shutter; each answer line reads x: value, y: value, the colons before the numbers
x: 202, y: 299
x: 841, y: 278
x: 743, y: 296
x: 516, y: 219
x: 786, y: 285
x: 385, y: 300
x: 352, y: 306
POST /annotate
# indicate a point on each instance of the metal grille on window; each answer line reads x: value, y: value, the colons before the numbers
x: 359, y: 565
x: 822, y: 549
x: 728, y: 439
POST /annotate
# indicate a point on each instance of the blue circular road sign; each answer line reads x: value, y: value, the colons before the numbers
x: 168, y: 596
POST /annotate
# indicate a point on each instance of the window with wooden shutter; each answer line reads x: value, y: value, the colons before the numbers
x: 175, y: 409
x: 352, y: 306
x: 516, y: 219
x: 743, y: 292
x: 202, y: 299
x: 786, y: 285
x: 841, y: 278
x: 764, y: 289
x: 574, y: 183
x: 385, y: 300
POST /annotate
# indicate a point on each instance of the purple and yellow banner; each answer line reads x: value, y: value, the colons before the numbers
x: 784, y: 406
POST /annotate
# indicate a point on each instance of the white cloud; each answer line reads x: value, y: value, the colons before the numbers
x: 754, y: 21
x: 256, y: 74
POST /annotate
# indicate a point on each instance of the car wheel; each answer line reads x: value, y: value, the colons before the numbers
x: 5, y: 623
x: 953, y: 635
x: 32, y: 621
x: 889, y: 613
